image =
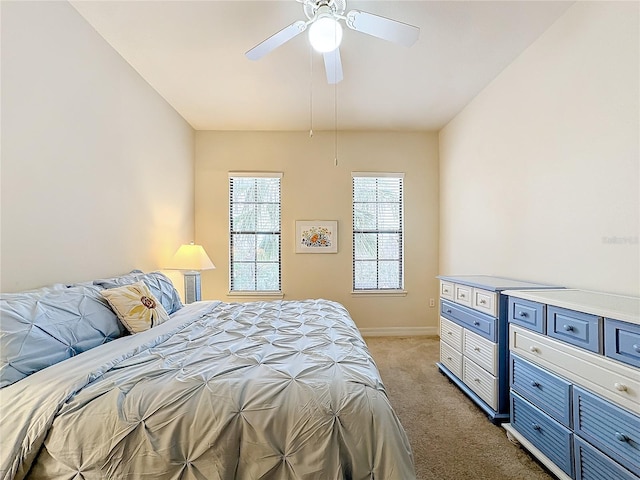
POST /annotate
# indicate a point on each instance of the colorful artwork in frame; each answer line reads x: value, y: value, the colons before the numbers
x: 316, y: 236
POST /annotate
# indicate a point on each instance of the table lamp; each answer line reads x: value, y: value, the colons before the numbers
x: 191, y: 259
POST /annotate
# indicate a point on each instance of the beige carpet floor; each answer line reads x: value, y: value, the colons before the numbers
x: 451, y: 438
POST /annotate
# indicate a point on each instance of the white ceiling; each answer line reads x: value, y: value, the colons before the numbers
x: 192, y: 53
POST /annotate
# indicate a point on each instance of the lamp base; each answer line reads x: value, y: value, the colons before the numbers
x: 192, y: 287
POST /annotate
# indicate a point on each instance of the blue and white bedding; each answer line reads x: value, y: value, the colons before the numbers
x: 42, y: 327
x: 263, y: 390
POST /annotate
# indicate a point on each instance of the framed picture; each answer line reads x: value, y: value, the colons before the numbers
x: 316, y: 236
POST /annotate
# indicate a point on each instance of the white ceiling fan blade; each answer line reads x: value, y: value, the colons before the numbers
x: 277, y: 39
x: 333, y: 66
x: 382, y: 27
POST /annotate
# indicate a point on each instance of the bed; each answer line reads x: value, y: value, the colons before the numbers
x: 260, y: 390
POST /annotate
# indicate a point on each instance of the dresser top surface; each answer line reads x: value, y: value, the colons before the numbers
x: 490, y: 282
x: 618, y: 307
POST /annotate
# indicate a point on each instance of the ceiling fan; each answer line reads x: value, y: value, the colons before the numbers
x: 325, y: 32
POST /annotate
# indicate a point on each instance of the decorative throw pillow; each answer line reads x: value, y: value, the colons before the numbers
x: 136, y: 306
x: 159, y: 284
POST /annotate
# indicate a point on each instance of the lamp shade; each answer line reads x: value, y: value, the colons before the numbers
x: 191, y: 257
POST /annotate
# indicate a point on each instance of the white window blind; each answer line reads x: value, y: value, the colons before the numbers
x: 377, y: 231
x: 254, y: 232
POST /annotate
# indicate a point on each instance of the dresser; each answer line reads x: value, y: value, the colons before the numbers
x: 474, y: 340
x: 575, y: 381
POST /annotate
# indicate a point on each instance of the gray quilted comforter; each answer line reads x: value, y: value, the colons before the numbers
x: 264, y: 390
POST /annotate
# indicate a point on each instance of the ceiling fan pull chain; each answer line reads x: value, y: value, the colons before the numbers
x: 311, y: 92
x: 335, y: 122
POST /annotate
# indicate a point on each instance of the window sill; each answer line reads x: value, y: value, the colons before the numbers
x: 379, y: 293
x: 256, y: 294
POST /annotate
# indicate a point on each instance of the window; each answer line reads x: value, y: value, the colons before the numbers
x: 377, y: 231
x: 254, y: 232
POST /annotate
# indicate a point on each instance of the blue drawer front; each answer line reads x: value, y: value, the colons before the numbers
x: 622, y: 341
x: 579, y: 329
x: 610, y: 428
x: 592, y: 464
x: 482, y: 324
x: 550, y: 393
x: 547, y: 435
x: 526, y: 314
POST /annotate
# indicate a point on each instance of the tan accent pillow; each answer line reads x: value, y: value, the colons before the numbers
x: 136, y: 306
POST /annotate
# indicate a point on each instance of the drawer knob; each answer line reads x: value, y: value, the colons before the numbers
x: 523, y: 314
x: 622, y: 437
x: 536, y: 427
x: 476, y: 380
x: 483, y: 302
x: 462, y: 295
x: 449, y: 358
x: 535, y: 384
x: 476, y: 323
x: 568, y: 328
x: 477, y: 349
x: 449, y: 333
x: 636, y: 347
x: 448, y: 310
x: 533, y: 349
x: 621, y: 387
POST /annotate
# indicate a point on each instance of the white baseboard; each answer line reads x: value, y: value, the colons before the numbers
x: 398, y: 331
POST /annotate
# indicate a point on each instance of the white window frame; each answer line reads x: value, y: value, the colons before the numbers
x: 382, y: 291
x: 255, y: 293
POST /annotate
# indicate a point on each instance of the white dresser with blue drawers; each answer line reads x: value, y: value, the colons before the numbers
x: 473, y: 338
x: 575, y: 381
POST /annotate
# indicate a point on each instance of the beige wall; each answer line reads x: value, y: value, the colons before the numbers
x: 97, y: 169
x: 539, y: 174
x: 313, y: 188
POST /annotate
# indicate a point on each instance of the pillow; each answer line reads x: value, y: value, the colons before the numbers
x: 159, y: 284
x: 136, y: 306
x: 48, y: 325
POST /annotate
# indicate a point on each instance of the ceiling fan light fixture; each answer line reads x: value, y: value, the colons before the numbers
x: 325, y: 34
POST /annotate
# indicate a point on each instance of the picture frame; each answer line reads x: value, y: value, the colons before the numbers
x: 316, y: 236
